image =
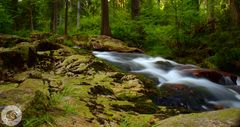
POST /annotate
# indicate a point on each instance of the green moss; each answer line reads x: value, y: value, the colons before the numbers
x: 135, y: 120
x: 227, y: 117
x: 7, y: 86
x: 76, y: 58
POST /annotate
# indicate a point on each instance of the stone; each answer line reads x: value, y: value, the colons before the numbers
x: 103, y: 43
x: 18, y: 57
x: 218, y: 77
x: 8, y: 41
x: 220, y: 118
x: 183, y: 96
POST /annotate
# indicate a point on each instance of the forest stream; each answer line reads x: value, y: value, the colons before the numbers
x: 100, y: 81
x: 167, y: 72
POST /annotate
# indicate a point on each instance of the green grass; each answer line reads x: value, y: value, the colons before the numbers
x: 36, y: 121
x: 57, y: 97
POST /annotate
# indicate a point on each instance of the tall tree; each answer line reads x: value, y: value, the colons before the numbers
x: 66, y: 18
x: 235, y: 12
x: 135, y: 7
x: 211, y: 19
x: 105, y: 28
x: 54, y: 15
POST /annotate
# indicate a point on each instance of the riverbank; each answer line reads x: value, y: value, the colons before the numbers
x: 55, y: 85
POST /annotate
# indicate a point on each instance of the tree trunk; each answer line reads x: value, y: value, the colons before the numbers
x: 211, y: 19
x: 78, y: 14
x: 105, y: 28
x: 196, y: 9
x: 235, y: 12
x: 135, y: 6
x: 55, y: 14
x: 66, y: 19
x: 210, y: 10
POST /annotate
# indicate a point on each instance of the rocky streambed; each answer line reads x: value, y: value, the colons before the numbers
x: 55, y: 85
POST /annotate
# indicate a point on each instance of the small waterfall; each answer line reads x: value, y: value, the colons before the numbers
x: 170, y: 72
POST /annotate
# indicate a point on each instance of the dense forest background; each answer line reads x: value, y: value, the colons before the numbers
x: 201, y: 32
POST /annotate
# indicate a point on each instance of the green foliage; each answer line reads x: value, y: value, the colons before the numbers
x: 5, y: 21
x: 124, y: 123
x: 57, y: 98
x: 68, y: 108
x: 225, y: 58
x: 36, y: 121
x: 90, y: 25
x: 37, y: 114
x: 68, y: 43
x: 177, y: 29
x: 23, y: 33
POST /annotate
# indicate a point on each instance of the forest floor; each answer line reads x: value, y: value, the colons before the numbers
x: 56, y: 85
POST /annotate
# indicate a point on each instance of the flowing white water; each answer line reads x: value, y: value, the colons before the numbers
x: 167, y: 71
x: 238, y: 81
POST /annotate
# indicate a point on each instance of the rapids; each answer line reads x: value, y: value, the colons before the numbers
x: 169, y: 72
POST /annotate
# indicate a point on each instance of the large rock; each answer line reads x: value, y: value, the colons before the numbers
x: 10, y: 40
x: 218, y: 77
x: 18, y: 57
x: 183, y: 96
x: 102, y: 43
x: 221, y: 118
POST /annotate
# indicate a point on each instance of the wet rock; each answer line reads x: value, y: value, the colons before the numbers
x: 183, y: 96
x: 103, y: 43
x: 218, y: 77
x: 165, y: 65
x: 234, y: 88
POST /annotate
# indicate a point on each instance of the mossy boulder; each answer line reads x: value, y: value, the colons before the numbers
x: 103, y: 43
x: 18, y: 57
x: 218, y: 77
x: 220, y: 118
x: 183, y: 96
x: 8, y: 41
x: 21, y: 95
